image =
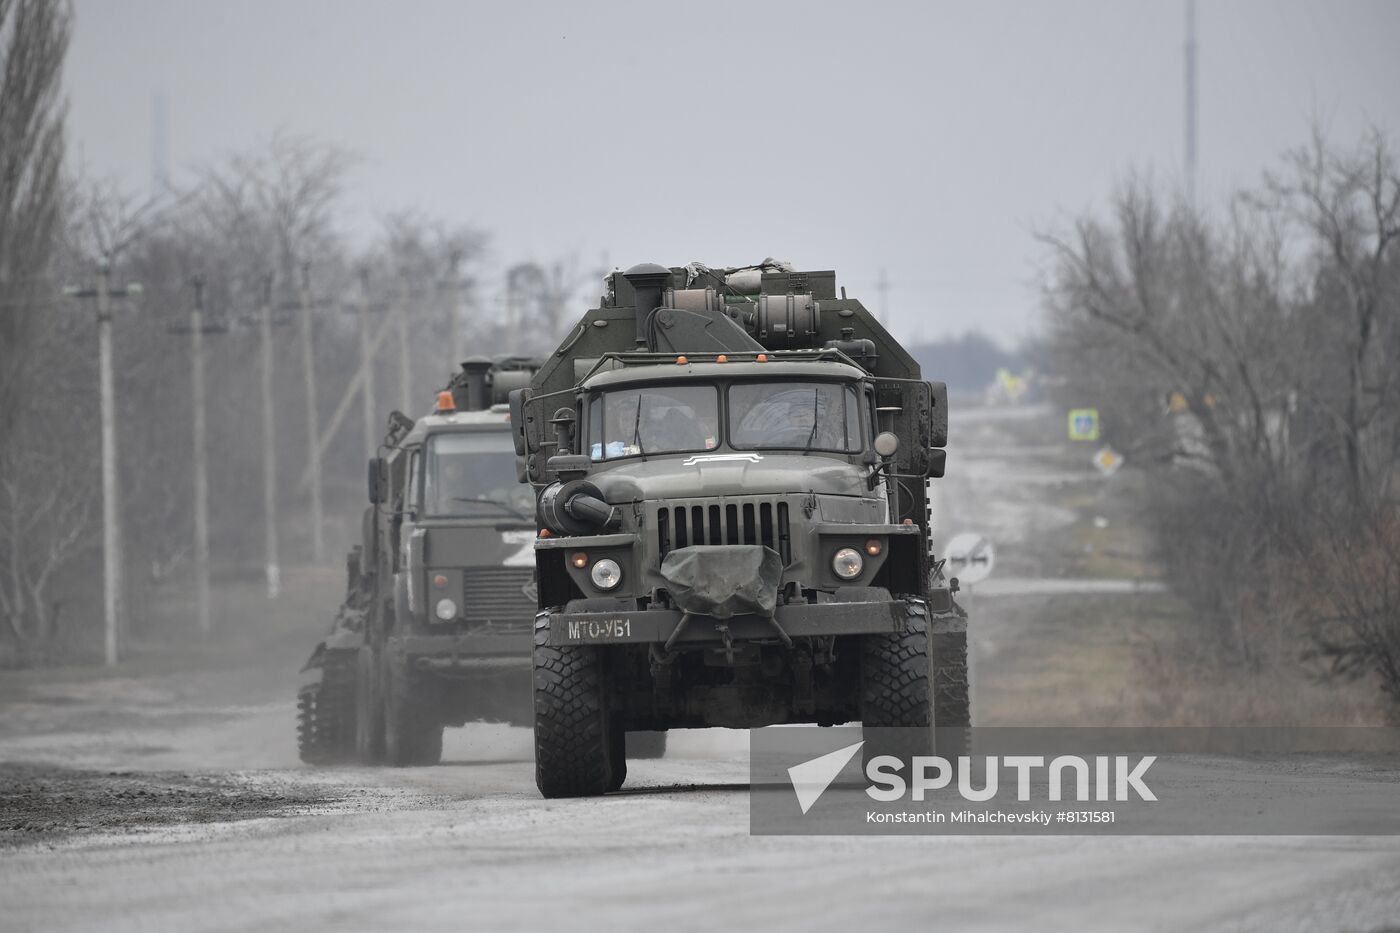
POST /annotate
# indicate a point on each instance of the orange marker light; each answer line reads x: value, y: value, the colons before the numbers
x: 721, y: 359
x: 908, y: 521
x: 544, y: 532
x: 439, y: 580
x: 762, y: 357
x: 872, y: 547
x: 580, y: 559
x: 681, y: 361
x: 445, y: 402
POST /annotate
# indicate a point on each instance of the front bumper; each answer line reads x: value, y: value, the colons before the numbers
x: 630, y: 626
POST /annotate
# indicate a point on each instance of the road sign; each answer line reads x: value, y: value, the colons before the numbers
x: 1083, y: 424
x: 1011, y: 386
x: 970, y: 557
x: 1108, y: 460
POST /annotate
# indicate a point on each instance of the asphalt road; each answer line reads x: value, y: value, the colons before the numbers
x: 469, y: 845
x: 175, y: 802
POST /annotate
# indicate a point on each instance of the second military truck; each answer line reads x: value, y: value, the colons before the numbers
x: 731, y: 469
x: 435, y: 627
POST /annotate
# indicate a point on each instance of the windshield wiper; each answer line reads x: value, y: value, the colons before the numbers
x: 811, y: 438
x: 637, y: 427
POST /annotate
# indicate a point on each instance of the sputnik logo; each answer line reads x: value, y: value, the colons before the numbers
x: 811, y: 778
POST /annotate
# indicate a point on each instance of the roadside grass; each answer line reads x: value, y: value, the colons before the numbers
x: 1103, y: 660
x: 1057, y: 661
x: 266, y: 639
x: 1138, y: 661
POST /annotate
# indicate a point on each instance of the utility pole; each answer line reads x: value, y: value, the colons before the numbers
x: 405, y: 376
x: 882, y: 287
x: 1191, y: 103
x: 197, y: 328
x: 112, y: 560
x: 269, y: 445
x: 366, y: 363
x: 313, y: 428
x: 201, y: 464
x: 160, y: 174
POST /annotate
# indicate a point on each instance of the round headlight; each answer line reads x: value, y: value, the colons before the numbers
x: 847, y: 563
x: 606, y: 574
x: 446, y: 609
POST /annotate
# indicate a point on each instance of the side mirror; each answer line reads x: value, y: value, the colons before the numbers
x: 376, y: 480
x: 886, y: 444
x: 564, y: 421
x: 518, y: 400
x: 937, y: 462
x: 938, y: 415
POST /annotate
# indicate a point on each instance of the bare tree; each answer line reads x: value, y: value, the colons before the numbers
x: 1348, y: 202
x: 44, y: 501
x: 1260, y: 348
x: 539, y: 295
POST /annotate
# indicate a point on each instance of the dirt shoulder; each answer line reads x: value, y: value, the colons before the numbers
x: 43, y: 804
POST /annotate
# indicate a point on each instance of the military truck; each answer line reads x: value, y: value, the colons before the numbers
x: 435, y: 627
x: 731, y: 470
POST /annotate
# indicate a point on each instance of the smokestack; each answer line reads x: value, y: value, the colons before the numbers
x: 475, y: 370
x: 648, y: 281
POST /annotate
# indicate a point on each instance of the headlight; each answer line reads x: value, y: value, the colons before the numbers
x: 848, y: 563
x: 606, y: 574
x: 446, y: 609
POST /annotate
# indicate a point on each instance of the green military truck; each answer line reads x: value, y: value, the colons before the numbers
x: 731, y: 468
x: 435, y: 627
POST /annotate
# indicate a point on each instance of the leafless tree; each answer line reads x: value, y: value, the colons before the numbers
x: 1348, y: 203
x: 43, y: 502
x: 1248, y: 360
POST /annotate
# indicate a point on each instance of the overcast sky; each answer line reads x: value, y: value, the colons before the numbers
x: 927, y: 139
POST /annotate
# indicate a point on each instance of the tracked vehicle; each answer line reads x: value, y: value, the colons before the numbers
x: 435, y: 627
x: 731, y: 469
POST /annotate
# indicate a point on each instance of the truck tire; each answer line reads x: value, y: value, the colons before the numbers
x: 369, y: 718
x: 326, y: 713
x: 952, y: 700
x: 573, y: 749
x: 642, y: 745
x: 412, y: 730
x: 896, y: 707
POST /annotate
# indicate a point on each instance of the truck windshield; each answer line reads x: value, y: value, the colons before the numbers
x: 470, y: 474
x: 653, y: 420
x: 801, y: 415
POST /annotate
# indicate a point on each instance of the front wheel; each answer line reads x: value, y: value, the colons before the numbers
x: 574, y: 749
x: 952, y: 694
x: 369, y: 710
x: 895, y: 702
x: 412, y: 730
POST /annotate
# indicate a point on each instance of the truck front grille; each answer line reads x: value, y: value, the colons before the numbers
x: 724, y: 521
x: 501, y: 598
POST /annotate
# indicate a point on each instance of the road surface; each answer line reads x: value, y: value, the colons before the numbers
x: 175, y: 802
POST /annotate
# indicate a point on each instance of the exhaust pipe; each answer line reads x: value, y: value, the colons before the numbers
x: 475, y: 370
x: 648, y: 281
